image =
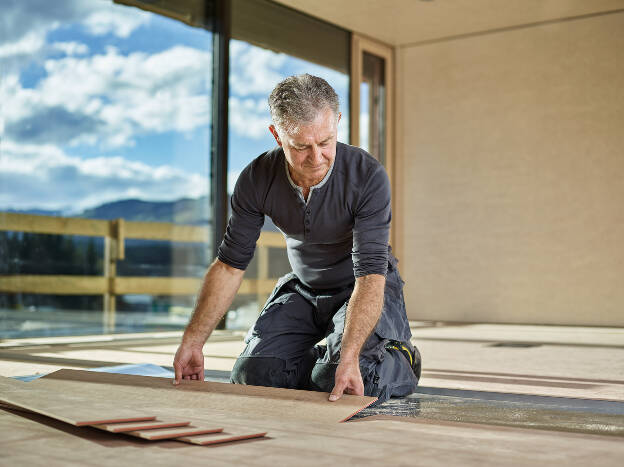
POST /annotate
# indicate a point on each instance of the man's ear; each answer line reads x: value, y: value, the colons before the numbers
x: 273, y: 131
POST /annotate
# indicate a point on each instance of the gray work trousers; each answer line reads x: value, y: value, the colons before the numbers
x: 282, y: 348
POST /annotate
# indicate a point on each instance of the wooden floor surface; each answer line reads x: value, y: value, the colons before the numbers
x: 369, y: 442
x: 565, y: 362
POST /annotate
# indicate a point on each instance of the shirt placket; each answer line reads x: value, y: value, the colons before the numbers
x: 307, y: 217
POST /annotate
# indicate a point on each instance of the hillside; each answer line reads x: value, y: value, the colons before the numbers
x: 182, y: 211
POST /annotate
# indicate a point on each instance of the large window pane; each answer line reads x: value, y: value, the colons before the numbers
x: 270, y: 43
x: 106, y: 110
x: 373, y: 106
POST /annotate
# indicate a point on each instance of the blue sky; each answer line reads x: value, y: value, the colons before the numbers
x: 104, y: 102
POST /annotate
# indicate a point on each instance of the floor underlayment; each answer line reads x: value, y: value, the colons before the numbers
x: 490, y: 394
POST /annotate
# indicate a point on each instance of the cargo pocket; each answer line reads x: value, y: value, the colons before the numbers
x: 393, y: 323
x: 260, y: 325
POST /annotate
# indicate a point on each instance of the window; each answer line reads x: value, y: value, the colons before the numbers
x: 106, y: 221
x: 106, y: 109
x: 269, y: 43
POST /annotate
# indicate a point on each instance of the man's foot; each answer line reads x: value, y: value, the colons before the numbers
x: 413, y: 357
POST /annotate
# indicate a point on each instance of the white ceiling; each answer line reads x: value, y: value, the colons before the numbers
x: 404, y: 22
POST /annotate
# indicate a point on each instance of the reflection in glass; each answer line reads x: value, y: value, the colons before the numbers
x: 373, y: 106
x: 106, y: 112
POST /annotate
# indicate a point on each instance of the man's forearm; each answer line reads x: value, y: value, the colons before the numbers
x: 363, y: 312
x: 216, y: 295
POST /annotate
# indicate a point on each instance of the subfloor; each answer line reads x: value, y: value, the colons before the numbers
x: 562, y: 385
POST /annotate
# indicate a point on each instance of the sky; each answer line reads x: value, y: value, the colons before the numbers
x: 101, y: 102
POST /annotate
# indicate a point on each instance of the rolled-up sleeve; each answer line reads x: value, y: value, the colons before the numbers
x: 245, y: 223
x: 371, y: 227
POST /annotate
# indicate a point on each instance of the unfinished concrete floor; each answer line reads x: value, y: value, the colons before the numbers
x: 563, y: 385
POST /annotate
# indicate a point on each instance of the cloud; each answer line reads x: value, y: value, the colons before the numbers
x: 118, y: 21
x: 231, y: 179
x: 45, y: 177
x: 71, y: 48
x: 37, y: 129
x: 25, y: 24
x: 249, y: 117
x: 254, y: 71
x: 110, y: 98
x: 22, y: 19
x: 26, y: 45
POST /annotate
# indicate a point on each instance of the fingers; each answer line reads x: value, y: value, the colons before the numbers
x: 188, y: 365
x: 358, y: 388
x: 348, y: 380
x: 201, y: 370
x: 178, y: 372
x: 193, y: 377
x: 337, y: 392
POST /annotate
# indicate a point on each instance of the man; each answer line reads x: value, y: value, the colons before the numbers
x: 332, y: 203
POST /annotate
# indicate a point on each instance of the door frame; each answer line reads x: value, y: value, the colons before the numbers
x: 359, y: 45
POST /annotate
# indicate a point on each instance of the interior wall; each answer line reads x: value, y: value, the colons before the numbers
x: 511, y: 166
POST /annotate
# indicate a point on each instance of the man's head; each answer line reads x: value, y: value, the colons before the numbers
x: 305, y: 113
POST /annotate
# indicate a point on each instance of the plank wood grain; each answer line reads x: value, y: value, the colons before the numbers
x: 205, y: 440
x: 134, y: 426
x: 366, y: 442
x: 241, y: 400
x: 172, y: 433
x: 77, y: 409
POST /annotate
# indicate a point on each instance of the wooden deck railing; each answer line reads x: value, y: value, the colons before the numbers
x: 110, y: 284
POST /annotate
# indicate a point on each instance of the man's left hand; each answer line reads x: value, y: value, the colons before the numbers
x: 348, y: 379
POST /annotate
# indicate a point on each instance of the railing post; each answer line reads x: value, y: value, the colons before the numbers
x: 109, y: 273
x: 263, y: 275
x: 114, y: 249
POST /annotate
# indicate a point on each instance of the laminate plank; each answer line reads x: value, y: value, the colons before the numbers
x: 74, y: 408
x: 246, y: 401
x: 205, y: 440
x: 134, y: 426
x: 172, y: 433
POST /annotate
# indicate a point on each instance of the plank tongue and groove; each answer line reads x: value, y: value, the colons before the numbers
x: 205, y: 440
x: 239, y: 401
x: 172, y: 433
x: 133, y: 426
x: 73, y: 408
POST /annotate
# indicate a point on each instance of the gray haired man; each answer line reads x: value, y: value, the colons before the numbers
x: 332, y: 203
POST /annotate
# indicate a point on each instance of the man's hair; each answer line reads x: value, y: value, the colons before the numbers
x: 299, y: 99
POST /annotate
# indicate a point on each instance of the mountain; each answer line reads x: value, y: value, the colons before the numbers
x: 181, y: 211
x: 36, y: 212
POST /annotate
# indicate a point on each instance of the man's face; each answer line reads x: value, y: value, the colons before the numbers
x: 311, y: 149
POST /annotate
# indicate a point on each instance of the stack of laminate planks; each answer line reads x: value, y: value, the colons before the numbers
x: 79, y: 408
x: 302, y: 427
x: 150, y: 408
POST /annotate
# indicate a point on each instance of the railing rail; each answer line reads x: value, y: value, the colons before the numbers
x: 109, y: 285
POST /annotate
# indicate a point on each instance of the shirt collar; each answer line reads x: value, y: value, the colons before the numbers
x: 318, y: 185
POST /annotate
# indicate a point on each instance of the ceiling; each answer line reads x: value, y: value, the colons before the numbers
x: 409, y: 22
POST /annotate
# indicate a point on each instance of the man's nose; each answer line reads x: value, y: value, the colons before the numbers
x: 317, y: 154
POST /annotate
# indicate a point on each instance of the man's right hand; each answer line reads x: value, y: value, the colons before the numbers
x: 188, y: 362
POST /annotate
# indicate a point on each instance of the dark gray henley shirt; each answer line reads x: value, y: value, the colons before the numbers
x: 339, y: 234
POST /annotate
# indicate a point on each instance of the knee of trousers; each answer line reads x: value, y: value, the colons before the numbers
x: 262, y: 371
x: 323, y: 377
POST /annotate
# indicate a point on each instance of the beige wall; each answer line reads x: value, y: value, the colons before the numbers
x: 511, y: 158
